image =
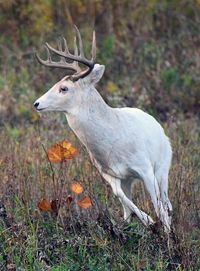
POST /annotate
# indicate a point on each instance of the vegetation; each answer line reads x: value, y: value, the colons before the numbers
x: 151, y: 52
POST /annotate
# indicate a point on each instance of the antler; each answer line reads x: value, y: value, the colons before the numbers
x: 66, y: 56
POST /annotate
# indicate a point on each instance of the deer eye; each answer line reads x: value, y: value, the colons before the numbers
x: 64, y: 89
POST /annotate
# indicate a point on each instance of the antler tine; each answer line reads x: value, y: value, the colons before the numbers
x: 59, y: 42
x: 93, y: 47
x: 79, y: 41
x: 75, y: 47
x: 48, y: 54
x: 66, y: 49
x: 44, y: 62
x: 62, y: 64
x: 68, y: 60
x: 76, y: 54
x: 41, y: 61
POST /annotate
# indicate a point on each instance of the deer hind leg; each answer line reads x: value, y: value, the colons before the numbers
x: 162, y: 177
x: 152, y: 187
x: 126, y: 202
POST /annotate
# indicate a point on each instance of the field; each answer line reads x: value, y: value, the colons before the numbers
x: 95, y: 238
x: 158, y: 71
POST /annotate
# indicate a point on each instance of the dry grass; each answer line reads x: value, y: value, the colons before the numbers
x: 76, y: 238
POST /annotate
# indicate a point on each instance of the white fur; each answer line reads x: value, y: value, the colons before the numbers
x: 125, y: 144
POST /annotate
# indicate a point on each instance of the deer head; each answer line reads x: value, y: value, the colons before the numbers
x: 68, y: 93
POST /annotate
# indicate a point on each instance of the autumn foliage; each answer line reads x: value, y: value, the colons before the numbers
x: 85, y: 203
x: 58, y: 153
x: 44, y: 205
x: 77, y: 188
x: 61, y: 152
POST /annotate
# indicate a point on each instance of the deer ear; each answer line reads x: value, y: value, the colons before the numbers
x: 96, y: 73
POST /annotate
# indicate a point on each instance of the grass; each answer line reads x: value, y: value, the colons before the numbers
x: 96, y: 238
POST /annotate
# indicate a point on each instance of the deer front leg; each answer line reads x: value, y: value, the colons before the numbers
x: 126, y: 202
x: 126, y: 186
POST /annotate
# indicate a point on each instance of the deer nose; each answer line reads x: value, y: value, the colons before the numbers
x: 36, y: 104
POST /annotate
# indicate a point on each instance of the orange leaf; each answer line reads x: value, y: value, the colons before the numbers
x: 61, y: 152
x: 44, y: 205
x: 85, y: 203
x: 77, y: 188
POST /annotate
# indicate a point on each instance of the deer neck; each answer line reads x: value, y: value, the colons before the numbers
x: 89, y: 116
x: 90, y: 103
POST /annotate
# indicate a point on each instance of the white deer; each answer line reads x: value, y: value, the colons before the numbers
x: 124, y: 144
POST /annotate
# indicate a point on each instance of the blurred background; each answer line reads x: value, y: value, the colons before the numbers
x: 151, y: 50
